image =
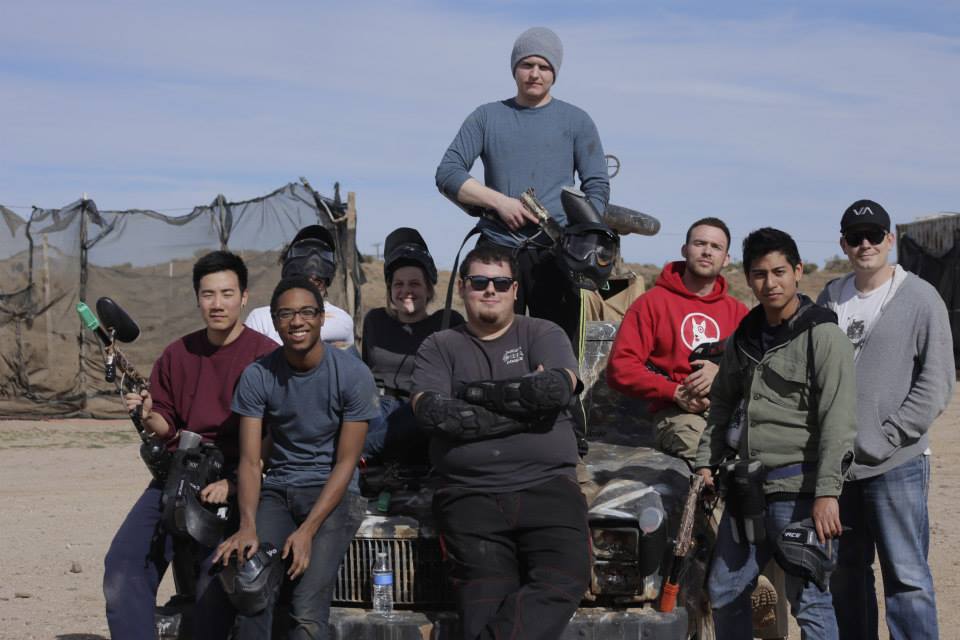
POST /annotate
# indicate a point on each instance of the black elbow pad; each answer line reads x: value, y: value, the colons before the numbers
x: 528, y: 397
x: 459, y: 420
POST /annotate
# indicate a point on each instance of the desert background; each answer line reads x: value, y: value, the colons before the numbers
x: 66, y: 485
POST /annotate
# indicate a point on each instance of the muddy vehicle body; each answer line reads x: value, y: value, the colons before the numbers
x: 635, y: 497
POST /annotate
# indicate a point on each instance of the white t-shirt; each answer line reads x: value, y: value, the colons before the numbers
x: 337, y: 324
x: 857, y: 310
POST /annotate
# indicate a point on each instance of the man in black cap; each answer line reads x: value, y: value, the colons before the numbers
x: 905, y: 376
x: 530, y: 140
x: 310, y: 254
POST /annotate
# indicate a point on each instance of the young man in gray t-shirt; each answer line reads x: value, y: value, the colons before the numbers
x: 314, y: 402
x: 495, y: 395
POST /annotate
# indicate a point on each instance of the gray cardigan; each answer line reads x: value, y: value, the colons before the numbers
x: 905, y: 373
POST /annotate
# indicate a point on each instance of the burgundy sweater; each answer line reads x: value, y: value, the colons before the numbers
x: 192, y: 386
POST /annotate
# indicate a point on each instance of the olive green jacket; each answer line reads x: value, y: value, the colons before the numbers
x: 787, y: 420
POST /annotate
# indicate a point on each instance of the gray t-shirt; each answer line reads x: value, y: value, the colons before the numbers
x: 303, y: 412
x: 523, y: 147
x: 449, y: 359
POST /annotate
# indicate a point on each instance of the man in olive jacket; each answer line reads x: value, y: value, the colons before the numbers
x: 792, y: 368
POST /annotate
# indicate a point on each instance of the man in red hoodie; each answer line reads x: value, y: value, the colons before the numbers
x: 688, y: 306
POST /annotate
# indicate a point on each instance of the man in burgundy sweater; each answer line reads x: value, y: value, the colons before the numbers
x: 191, y: 387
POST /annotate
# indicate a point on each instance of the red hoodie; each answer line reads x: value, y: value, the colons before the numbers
x: 661, y: 328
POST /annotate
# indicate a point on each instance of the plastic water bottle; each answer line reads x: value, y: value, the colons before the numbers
x: 382, y: 585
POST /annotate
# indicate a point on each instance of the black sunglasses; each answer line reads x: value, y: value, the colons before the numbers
x: 479, y: 283
x: 873, y: 235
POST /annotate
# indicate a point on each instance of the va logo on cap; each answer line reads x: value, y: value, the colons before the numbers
x: 863, y: 211
x: 698, y: 328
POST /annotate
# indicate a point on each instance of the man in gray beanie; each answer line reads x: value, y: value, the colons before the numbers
x: 529, y: 140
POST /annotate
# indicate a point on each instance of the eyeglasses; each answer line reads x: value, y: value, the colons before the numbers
x: 874, y: 236
x: 479, y: 283
x: 307, y: 313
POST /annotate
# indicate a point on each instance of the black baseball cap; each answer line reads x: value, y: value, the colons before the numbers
x: 865, y: 213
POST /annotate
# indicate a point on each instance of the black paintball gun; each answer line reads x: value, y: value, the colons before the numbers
x: 112, y: 326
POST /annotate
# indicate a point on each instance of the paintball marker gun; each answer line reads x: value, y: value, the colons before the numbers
x: 681, y: 546
x: 117, y: 326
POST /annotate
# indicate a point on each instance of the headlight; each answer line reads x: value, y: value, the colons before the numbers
x: 619, y: 543
x: 627, y: 552
x: 615, y: 578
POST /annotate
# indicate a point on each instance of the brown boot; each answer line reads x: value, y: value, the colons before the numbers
x: 763, y: 602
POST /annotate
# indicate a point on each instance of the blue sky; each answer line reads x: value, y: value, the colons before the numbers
x: 762, y: 114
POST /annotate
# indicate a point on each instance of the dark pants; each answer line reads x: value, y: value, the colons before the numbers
x: 280, y: 512
x: 546, y: 292
x: 887, y: 516
x: 135, y: 563
x: 520, y: 561
x: 394, y: 435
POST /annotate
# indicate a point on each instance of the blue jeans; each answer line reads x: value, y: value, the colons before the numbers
x: 734, y: 572
x: 135, y: 563
x: 888, y: 517
x: 279, y: 513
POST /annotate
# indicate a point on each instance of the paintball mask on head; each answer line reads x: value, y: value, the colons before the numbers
x: 406, y: 247
x: 311, y: 254
x: 588, y: 248
x: 248, y: 586
x: 798, y: 552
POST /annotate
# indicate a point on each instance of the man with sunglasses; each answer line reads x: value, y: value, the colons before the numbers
x: 900, y: 331
x: 529, y: 140
x: 495, y: 396
x: 310, y: 254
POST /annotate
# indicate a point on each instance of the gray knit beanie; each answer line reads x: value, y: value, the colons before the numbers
x: 538, y: 41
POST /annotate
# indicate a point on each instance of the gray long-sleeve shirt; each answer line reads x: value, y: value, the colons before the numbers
x: 524, y: 147
x: 905, y: 373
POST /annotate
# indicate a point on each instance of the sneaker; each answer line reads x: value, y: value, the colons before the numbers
x: 763, y: 602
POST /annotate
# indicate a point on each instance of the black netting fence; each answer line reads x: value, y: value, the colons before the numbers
x: 51, y: 366
x: 930, y: 248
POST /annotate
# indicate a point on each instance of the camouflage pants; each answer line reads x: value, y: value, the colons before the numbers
x: 678, y: 433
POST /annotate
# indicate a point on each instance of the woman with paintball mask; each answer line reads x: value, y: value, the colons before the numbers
x: 391, y: 336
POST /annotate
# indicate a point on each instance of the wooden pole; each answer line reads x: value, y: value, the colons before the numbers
x: 45, y: 281
x: 350, y: 252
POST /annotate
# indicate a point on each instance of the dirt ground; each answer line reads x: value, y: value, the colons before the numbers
x: 65, y: 486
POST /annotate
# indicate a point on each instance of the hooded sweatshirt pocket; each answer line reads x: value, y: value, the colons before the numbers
x: 876, y: 442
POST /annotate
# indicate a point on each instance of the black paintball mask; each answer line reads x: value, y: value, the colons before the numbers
x: 192, y: 467
x: 588, y: 248
x: 311, y: 254
x: 799, y: 552
x: 248, y: 584
x: 405, y: 247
